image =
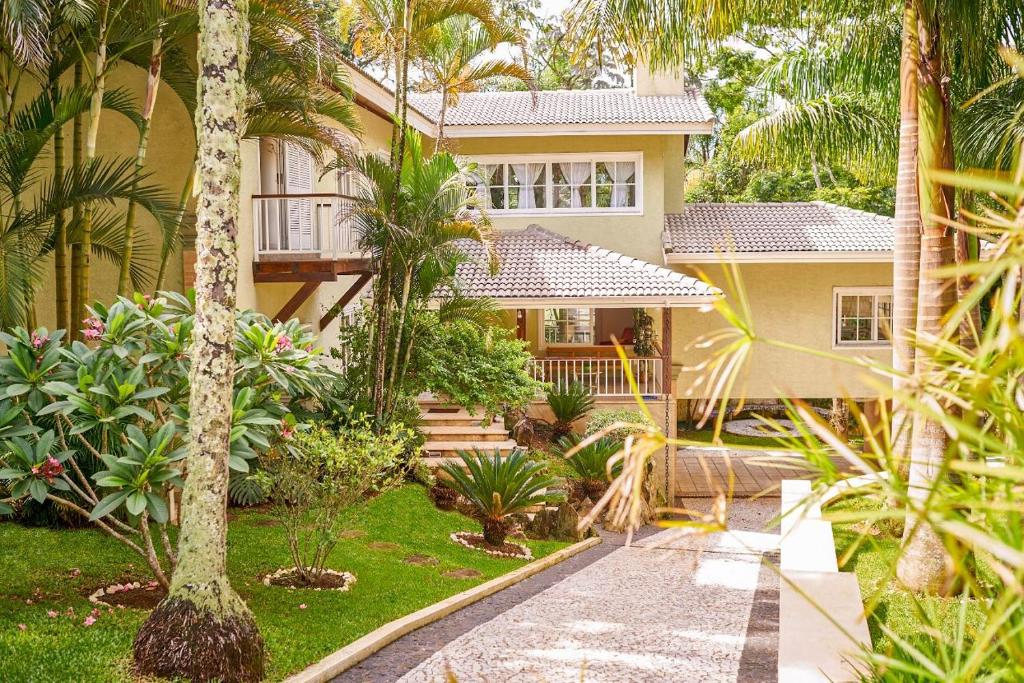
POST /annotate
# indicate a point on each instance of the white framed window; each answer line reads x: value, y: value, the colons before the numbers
x: 862, y: 316
x: 568, y: 326
x: 561, y: 183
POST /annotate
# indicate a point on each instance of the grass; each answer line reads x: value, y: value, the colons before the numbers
x: 37, y: 575
x: 727, y: 439
x: 871, y: 550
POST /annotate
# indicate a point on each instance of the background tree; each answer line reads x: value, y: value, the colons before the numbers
x: 203, y: 630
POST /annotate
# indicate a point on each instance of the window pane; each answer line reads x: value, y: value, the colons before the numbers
x: 604, y: 173
x: 847, y: 306
x: 568, y: 325
x: 848, y: 330
x: 865, y: 306
x: 863, y: 329
x: 885, y: 317
x: 604, y: 196
x: 625, y: 172
x: 561, y: 196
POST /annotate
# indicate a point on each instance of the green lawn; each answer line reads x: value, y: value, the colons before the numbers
x: 872, y: 551
x: 705, y: 436
x: 38, y: 565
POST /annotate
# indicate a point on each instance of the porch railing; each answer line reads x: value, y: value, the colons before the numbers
x: 304, y: 225
x: 602, y: 376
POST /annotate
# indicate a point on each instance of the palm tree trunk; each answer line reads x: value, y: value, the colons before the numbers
x: 124, y: 280
x: 179, y: 219
x: 440, y: 122
x: 907, y: 228
x: 60, y: 236
x: 925, y: 564
x: 214, y: 634
x: 399, y: 329
x: 77, y: 308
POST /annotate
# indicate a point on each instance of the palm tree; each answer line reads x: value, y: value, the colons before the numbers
x: 459, y: 59
x: 432, y: 212
x: 215, y: 634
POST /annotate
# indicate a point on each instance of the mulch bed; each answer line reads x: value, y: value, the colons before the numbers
x: 135, y: 595
x: 463, y: 573
x: 383, y: 545
x: 476, y: 541
x: 420, y: 559
x: 330, y: 580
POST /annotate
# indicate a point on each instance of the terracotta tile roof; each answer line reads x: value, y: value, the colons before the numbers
x: 553, y: 107
x: 776, y: 227
x: 538, y: 264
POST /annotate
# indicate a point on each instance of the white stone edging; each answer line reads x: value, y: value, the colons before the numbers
x: 348, y: 577
x: 358, y: 650
x: 459, y: 537
x: 822, y: 625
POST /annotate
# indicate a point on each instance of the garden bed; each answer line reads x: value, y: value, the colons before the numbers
x: 51, y: 572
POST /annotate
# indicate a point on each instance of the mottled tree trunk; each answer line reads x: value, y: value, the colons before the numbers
x: 124, y: 280
x: 203, y: 630
x: 925, y: 564
x: 907, y: 243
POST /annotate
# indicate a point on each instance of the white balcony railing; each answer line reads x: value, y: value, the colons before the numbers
x: 304, y: 225
x: 602, y: 376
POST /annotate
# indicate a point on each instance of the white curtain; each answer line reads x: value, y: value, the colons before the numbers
x: 621, y: 172
x: 578, y: 174
x: 527, y: 175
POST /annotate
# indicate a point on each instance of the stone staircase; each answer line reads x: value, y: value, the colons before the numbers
x: 450, y: 429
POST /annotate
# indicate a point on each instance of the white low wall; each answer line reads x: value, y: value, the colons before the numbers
x: 822, y: 626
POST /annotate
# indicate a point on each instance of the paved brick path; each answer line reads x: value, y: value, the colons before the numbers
x: 702, y: 472
x: 670, y: 608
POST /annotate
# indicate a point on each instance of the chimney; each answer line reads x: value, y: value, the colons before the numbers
x: 670, y: 81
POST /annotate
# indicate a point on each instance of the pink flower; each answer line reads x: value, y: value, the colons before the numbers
x: 89, y: 620
x: 302, y: 606
x: 50, y: 469
x: 287, y: 432
x: 284, y: 344
x: 22, y: 627
x: 29, y: 601
x: 94, y: 328
x: 39, y: 341
x: 52, y: 613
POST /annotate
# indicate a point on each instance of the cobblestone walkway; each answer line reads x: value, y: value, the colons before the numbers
x: 670, y: 608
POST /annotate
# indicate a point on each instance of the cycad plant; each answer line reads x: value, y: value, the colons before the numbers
x: 499, y: 486
x: 590, y: 462
x: 568, y: 405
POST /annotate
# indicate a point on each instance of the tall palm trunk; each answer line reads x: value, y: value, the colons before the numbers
x: 393, y: 372
x: 925, y: 564
x: 124, y: 280
x: 60, y: 236
x: 907, y: 228
x: 203, y: 630
x: 179, y: 219
x: 440, y: 122
x: 77, y: 262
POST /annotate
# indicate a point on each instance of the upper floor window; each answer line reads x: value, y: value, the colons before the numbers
x: 863, y: 316
x: 581, y: 183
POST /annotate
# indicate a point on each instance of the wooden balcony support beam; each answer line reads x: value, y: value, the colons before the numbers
x: 292, y: 305
x: 342, y: 302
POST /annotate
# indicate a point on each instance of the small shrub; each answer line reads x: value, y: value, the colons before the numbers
x: 590, y: 463
x: 321, y: 475
x: 500, y: 486
x: 632, y: 422
x: 568, y: 405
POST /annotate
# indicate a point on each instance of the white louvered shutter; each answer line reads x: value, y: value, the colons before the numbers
x: 298, y: 179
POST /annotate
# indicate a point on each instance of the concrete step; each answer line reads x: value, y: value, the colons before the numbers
x: 462, y: 419
x: 448, y: 449
x: 446, y: 432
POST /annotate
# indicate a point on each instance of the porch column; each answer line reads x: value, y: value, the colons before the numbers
x: 666, y: 352
x: 521, y: 324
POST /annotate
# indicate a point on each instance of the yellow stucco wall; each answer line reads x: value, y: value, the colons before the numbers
x: 634, y: 235
x: 792, y: 303
x: 169, y: 159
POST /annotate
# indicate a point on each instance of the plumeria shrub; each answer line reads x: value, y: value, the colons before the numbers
x: 322, y: 474
x: 116, y: 406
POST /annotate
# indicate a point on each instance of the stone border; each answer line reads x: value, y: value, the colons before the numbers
x: 348, y: 577
x: 459, y: 537
x: 817, y: 603
x: 358, y: 650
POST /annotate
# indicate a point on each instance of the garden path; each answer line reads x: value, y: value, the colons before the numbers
x: 669, y: 608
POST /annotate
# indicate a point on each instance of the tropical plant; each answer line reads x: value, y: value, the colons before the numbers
x: 568, y: 404
x: 460, y: 57
x: 619, y: 423
x: 590, y: 459
x: 499, y: 486
x: 216, y: 635
x: 323, y: 474
x: 643, y: 333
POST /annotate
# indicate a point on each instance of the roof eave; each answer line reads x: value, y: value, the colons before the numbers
x: 689, y: 301
x: 539, y: 130
x: 781, y: 257
x: 383, y: 98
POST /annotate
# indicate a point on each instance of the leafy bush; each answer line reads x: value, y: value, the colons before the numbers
x: 568, y: 405
x: 98, y: 429
x: 590, y: 462
x: 476, y: 367
x: 500, y: 486
x: 319, y: 476
x: 632, y: 422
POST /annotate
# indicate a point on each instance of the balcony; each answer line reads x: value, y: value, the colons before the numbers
x: 602, y: 376
x: 305, y: 238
